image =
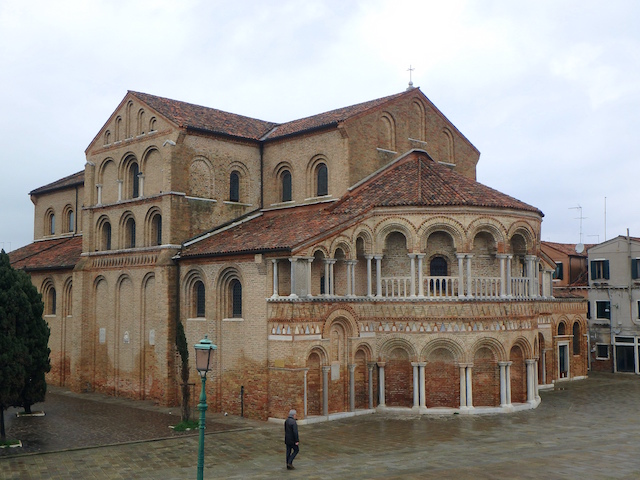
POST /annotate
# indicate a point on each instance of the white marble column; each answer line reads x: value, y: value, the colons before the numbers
x: 535, y: 380
x: 140, y: 185
x: 309, y: 263
x: 412, y: 259
x: 381, y: 400
x: 463, y: 386
x: 468, y: 258
x: 325, y: 390
x: 531, y: 395
x: 293, y: 261
x: 378, y: 275
x: 423, y: 393
x: 469, y: 386
x: 327, y: 291
x: 352, y: 387
x: 119, y: 182
x: 530, y: 274
x: 351, y: 277
x: 503, y: 383
x: 416, y: 385
x: 503, y: 274
x: 460, y: 257
x: 332, y: 278
x: 274, y: 261
x: 370, y: 368
x: 508, y: 272
x: 368, y: 258
x: 420, y: 275
x: 508, y: 381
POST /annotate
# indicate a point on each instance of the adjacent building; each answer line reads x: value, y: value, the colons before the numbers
x: 341, y: 263
x: 614, y: 305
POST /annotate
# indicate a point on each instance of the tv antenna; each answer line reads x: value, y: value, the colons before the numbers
x: 579, y: 218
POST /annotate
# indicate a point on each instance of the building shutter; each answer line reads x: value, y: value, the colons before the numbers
x: 634, y: 268
x: 592, y: 267
x: 605, y: 269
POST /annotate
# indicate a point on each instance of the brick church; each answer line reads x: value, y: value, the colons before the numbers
x: 342, y: 263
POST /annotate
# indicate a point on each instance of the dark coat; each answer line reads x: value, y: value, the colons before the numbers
x: 291, y: 431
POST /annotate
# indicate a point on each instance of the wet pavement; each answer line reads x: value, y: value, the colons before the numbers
x: 584, y: 429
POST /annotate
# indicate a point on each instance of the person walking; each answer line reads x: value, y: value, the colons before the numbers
x: 291, y: 438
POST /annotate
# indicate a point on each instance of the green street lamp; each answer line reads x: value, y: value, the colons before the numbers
x: 203, y: 365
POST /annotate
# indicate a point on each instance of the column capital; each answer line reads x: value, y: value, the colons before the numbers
x: 378, y: 257
x: 503, y: 364
x: 326, y: 368
x: 530, y: 257
x: 381, y: 364
x: 465, y: 364
x: 460, y: 255
x: 501, y: 255
x: 351, y: 262
x: 411, y: 255
x: 293, y: 259
x: 352, y: 366
x: 368, y: 256
x: 330, y: 260
x: 530, y: 361
x: 414, y: 364
x: 422, y: 364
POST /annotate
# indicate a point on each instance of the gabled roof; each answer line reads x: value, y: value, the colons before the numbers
x: 332, y: 117
x: 77, y: 179
x: 568, y: 248
x: 412, y: 180
x: 188, y: 115
x: 57, y: 253
x: 207, y: 119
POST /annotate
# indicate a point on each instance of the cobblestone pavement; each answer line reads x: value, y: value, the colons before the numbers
x: 584, y: 429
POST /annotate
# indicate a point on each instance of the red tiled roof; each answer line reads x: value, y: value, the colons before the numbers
x: 57, y: 253
x: 216, y: 121
x: 568, y: 248
x: 189, y: 115
x: 280, y: 229
x: 332, y: 117
x: 414, y: 179
x: 66, y: 182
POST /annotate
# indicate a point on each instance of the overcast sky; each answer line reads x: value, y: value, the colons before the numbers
x: 547, y: 90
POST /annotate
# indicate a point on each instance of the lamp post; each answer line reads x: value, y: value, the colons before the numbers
x: 203, y: 365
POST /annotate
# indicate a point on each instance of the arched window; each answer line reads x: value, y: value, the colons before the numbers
x: 576, y: 338
x: 286, y: 186
x: 130, y: 233
x: 156, y: 230
x: 106, y: 236
x: 322, y: 180
x: 118, y: 129
x: 152, y: 124
x: 69, y: 225
x: 107, y: 137
x: 234, y: 186
x: 50, y: 223
x: 561, y: 330
x: 199, y: 299
x: 438, y: 267
x: 49, y: 297
x: 236, y: 299
x: 134, y: 180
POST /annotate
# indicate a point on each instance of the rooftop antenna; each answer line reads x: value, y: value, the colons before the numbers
x: 410, y: 70
x: 579, y: 218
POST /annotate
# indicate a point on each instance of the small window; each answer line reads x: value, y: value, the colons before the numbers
x: 438, y: 267
x: 558, y: 273
x: 156, y: 230
x: 286, y: 186
x: 602, y: 351
x: 135, y: 180
x: 234, y: 187
x: 130, y: 232
x: 599, y: 270
x: 236, y: 299
x: 199, y: 299
x: 603, y: 309
x: 589, y: 310
x: 322, y: 286
x: 50, y: 301
x: 70, y: 221
x: 106, y: 236
x: 561, y: 328
x: 576, y: 338
x: 635, y: 268
x: 50, y: 227
x: 638, y: 308
x: 322, y: 180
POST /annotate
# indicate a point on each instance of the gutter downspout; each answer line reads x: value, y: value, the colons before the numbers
x: 261, y: 175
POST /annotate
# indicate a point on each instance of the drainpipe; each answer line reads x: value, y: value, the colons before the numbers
x: 261, y: 175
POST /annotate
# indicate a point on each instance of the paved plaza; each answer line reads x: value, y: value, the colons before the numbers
x: 584, y: 429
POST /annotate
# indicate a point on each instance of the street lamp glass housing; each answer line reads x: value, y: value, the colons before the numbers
x: 203, y: 355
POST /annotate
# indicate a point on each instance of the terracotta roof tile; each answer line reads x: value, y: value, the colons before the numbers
x: 189, y: 115
x: 414, y: 179
x: 332, y: 117
x: 216, y: 121
x: 66, y: 182
x: 57, y: 253
x: 568, y: 248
